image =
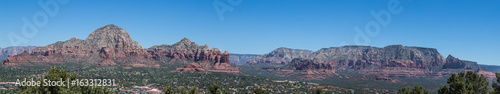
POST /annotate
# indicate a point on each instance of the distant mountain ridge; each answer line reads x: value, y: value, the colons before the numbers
x: 241, y: 59
x: 15, y: 50
x: 390, y: 61
x: 420, y: 57
x: 111, y: 45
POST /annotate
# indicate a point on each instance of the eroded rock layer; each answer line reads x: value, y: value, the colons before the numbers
x: 111, y: 45
x: 390, y: 61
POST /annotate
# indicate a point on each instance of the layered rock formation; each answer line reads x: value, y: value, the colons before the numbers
x: 390, y: 61
x: 104, y: 47
x: 306, y: 69
x: 191, y: 67
x: 111, y: 45
x: 281, y: 55
x: 453, y: 63
x: 363, y: 56
x: 306, y: 64
x: 486, y: 74
x: 187, y: 50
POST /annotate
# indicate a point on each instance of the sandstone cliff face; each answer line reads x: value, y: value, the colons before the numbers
x: 487, y: 75
x: 306, y: 64
x: 185, y: 49
x: 453, y: 63
x: 281, y: 55
x: 362, y: 56
x: 191, y: 67
x: 306, y: 69
x: 389, y: 56
x: 390, y: 61
x: 103, y: 47
x: 111, y: 45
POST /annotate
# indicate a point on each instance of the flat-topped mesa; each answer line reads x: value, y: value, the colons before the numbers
x: 389, y: 56
x: 422, y: 57
x: 389, y: 61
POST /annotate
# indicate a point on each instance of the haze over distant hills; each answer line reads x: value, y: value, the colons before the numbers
x: 12, y: 51
x: 390, y: 61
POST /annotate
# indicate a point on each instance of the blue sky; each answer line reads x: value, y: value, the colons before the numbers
x: 467, y: 29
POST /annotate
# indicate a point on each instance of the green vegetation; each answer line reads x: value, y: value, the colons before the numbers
x: 169, y: 90
x: 319, y: 91
x: 55, y: 74
x: 415, y: 90
x: 259, y: 91
x: 160, y: 78
x: 496, y: 87
x: 215, y: 89
x: 194, y: 90
x: 465, y: 83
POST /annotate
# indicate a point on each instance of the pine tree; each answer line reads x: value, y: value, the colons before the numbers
x: 194, y: 90
x: 465, y: 83
x: 259, y: 91
x: 319, y: 91
x: 415, y: 90
x: 496, y: 86
x: 169, y: 90
x: 184, y: 91
x: 214, y: 89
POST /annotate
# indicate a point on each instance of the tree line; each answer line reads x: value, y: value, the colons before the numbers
x: 463, y: 83
x: 216, y: 89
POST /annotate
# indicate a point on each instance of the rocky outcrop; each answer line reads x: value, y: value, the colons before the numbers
x: 187, y: 50
x: 191, y: 67
x: 306, y: 64
x: 390, y: 61
x: 281, y: 55
x: 486, y: 74
x: 103, y: 47
x: 362, y: 56
x: 241, y: 59
x: 389, y: 56
x: 453, y: 63
x: 111, y: 45
x: 490, y: 68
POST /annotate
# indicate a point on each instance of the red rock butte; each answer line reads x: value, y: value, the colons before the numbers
x: 111, y: 45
